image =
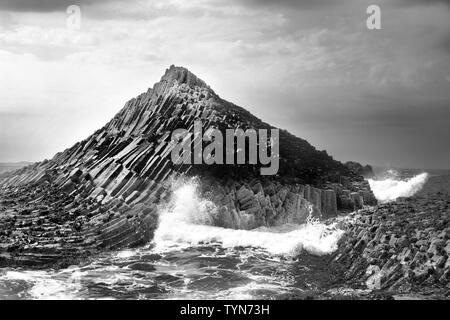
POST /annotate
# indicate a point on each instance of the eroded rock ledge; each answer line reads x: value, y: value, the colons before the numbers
x: 400, y: 247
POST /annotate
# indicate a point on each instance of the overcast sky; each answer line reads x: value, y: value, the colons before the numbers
x: 309, y: 66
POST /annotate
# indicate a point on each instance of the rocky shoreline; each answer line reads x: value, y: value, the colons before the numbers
x: 398, y: 248
x: 392, y: 250
x: 41, y: 226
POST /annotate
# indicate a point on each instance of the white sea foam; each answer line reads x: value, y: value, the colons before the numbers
x: 392, y: 187
x: 62, y: 285
x: 187, y: 221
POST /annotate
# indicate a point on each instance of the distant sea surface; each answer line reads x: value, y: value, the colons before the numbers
x: 5, y: 167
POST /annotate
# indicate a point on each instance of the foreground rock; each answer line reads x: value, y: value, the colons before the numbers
x: 41, y: 226
x: 400, y: 247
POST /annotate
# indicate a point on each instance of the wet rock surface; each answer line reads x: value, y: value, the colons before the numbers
x: 400, y: 247
x: 42, y: 226
x: 248, y: 204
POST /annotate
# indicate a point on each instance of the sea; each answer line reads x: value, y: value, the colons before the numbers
x: 190, y: 258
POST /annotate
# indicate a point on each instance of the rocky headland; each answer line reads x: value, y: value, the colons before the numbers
x: 104, y: 192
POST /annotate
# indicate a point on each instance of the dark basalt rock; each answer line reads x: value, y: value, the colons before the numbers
x: 400, y: 247
x: 103, y: 192
x: 358, y: 169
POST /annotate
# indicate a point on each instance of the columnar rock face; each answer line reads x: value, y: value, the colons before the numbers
x: 260, y: 202
x: 103, y: 192
x: 400, y: 247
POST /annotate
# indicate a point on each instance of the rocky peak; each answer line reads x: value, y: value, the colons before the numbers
x: 109, y: 185
x: 182, y: 75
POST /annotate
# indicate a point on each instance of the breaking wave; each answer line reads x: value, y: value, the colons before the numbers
x: 392, y: 186
x: 188, y: 220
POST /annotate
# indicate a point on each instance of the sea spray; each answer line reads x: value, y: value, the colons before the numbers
x: 44, y: 285
x: 392, y: 187
x: 188, y: 221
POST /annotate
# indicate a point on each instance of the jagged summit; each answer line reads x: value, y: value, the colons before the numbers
x: 103, y: 192
x: 183, y: 75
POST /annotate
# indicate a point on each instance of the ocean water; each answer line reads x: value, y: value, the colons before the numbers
x: 190, y: 258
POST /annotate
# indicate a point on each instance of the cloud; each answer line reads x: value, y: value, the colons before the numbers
x: 46, y: 5
x: 444, y: 43
x: 117, y: 9
x: 291, y: 3
x: 48, y: 43
x: 326, y: 5
x: 427, y: 2
x: 6, y: 20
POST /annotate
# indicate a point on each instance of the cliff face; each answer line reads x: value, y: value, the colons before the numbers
x: 103, y: 192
